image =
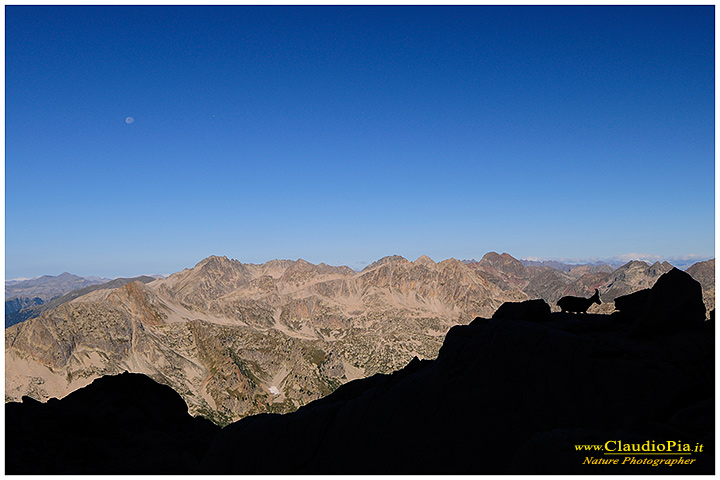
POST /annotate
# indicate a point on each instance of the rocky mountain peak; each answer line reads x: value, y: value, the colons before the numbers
x: 505, y: 260
x: 425, y: 260
x: 386, y: 260
x: 505, y: 267
x: 67, y: 276
x: 214, y: 261
x: 704, y: 272
x: 453, y: 263
x: 639, y: 270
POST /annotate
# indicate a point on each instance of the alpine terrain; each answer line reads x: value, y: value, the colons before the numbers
x: 237, y: 339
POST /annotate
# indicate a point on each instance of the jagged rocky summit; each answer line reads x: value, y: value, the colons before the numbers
x: 511, y: 394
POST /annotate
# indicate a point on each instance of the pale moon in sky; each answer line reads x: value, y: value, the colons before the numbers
x: 129, y: 120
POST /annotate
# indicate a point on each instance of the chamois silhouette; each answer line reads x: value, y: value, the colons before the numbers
x: 578, y: 304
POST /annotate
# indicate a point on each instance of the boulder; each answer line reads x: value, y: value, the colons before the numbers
x: 632, y: 305
x: 675, y: 303
x: 529, y: 310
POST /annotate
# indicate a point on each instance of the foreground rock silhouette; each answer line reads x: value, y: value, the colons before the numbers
x: 505, y: 395
x: 122, y: 424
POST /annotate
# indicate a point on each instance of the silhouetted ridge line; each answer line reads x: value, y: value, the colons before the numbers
x: 122, y: 424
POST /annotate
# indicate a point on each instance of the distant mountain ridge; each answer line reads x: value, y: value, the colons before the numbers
x: 236, y: 339
x: 36, y: 307
x: 570, y: 267
x: 48, y: 287
x: 28, y: 294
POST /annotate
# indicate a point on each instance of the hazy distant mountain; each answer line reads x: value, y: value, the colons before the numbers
x: 236, y: 339
x: 24, y: 296
x: 34, y: 308
x: 48, y: 287
x: 589, y: 267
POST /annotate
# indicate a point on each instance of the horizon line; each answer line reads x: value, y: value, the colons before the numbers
x: 360, y: 265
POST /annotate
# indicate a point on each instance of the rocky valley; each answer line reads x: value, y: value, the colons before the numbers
x: 237, y: 339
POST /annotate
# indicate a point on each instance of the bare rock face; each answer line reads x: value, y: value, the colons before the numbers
x: 505, y: 268
x: 633, y: 276
x: 704, y: 272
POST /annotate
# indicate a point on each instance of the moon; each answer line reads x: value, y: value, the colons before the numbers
x: 129, y: 120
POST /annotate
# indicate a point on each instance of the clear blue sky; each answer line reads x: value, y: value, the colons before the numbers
x: 344, y: 134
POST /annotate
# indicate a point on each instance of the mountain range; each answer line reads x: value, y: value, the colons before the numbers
x: 236, y: 339
x: 526, y: 391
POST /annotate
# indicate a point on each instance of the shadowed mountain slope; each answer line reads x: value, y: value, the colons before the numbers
x: 512, y: 394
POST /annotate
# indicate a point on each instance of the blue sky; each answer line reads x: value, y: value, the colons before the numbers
x: 344, y: 134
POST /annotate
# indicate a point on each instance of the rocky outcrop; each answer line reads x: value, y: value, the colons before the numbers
x: 675, y: 303
x: 530, y: 310
x: 124, y: 424
x: 634, y: 275
x: 704, y: 272
x: 631, y: 306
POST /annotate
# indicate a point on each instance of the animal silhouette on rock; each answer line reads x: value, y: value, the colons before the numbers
x: 578, y: 304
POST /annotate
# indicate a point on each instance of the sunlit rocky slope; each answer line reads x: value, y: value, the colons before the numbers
x: 237, y: 339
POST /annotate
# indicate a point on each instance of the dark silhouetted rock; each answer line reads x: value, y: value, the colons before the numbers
x: 675, y: 303
x: 632, y: 305
x: 123, y: 424
x: 531, y: 310
x: 503, y: 396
